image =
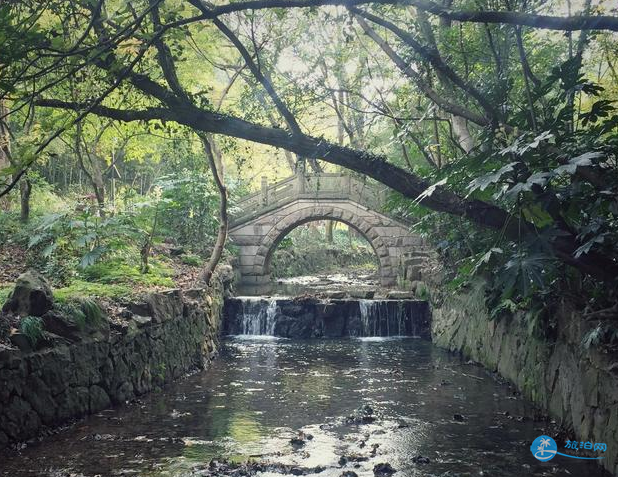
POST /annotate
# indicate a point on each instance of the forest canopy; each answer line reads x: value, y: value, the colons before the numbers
x: 493, y: 122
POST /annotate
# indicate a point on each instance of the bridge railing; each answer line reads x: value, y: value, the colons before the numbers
x: 307, y: 186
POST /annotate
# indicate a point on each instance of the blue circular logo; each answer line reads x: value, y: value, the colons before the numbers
x: 544, y: 448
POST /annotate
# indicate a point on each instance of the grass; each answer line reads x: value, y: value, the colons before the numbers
x: 84, y: 312
x: 32, y: 327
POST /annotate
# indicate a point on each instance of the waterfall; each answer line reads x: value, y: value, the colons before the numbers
x: 385, y: 318
x: 257, y: 319
x: 368, y: 312
x: 288, y: 317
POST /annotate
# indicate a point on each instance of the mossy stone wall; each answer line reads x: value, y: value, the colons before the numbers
x: 577, y: 387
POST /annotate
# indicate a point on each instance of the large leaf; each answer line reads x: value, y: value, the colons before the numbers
x: 481, y: 183
x: 50, y: 220
x: 429, y: 191
x: 92, y: 257
x: 579, y: 161
x: 539, y: 178
x: 520, y: 147
x: 585, y: 248
x: 85, y: 239
x: 522, y: 273
x: 486, y: 257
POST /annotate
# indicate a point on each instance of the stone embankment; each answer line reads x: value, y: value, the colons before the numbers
x: 78, y: 368
x: 576, y: 385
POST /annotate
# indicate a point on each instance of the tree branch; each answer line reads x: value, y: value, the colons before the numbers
x: 374, y: 166
x: 549, y: 22
x: 261, y: 76
x: 445, y: 104
x: 433, y: 57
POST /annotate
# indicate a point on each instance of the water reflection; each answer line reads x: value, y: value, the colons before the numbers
x: 258, y: 395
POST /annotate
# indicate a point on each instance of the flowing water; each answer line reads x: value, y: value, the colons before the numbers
x: 261, y: 391
x: 258, y: 316
x: 338, y: 318
x: 385, y: 318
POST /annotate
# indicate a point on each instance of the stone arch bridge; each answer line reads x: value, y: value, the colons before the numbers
x: 262, y: 219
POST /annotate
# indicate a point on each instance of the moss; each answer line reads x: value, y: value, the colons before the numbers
x: 115, y: 279
x: 5, y: 291
x: 119, y: 272
x: 191, y: 259
x: 80, y: 289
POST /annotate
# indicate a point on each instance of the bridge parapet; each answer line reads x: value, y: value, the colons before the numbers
x: 322, y: 186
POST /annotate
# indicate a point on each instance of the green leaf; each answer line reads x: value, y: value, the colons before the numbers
x: 49, y: 250
x: 481, y: 183
x: 585, y: 248
x: 579, y: 161
x: 486, y: 258
x: 36, y: 239
x: 539, y: 178
x: 429, y: 191
x: 91, y: 257
x: 86, y: 239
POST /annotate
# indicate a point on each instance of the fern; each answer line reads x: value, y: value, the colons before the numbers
x: 91, y: 311
x: 32, y: 327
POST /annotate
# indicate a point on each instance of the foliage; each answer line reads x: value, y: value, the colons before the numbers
x: 82, y: 237
x: 32, y: 327
x: 306, y: 250
x: 86, y: 312
x: 5, y: 291
x: 190, y: 209
x: 603, y: 334
x: 538, y: 176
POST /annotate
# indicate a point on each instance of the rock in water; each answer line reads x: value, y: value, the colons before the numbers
x: 420, y: 459
x: 383, y: 470
x: 32, y: 296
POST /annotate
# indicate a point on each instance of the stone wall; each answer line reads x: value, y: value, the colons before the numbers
x: 160, y: 339
x: 575, y: 386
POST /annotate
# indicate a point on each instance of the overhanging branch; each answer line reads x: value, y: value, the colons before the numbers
x: 374, y: 166
x: 548, y: 22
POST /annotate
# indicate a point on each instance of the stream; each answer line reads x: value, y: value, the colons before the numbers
x: 310, y: 407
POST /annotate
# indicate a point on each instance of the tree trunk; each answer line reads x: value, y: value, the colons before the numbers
x: 95, y: 175
x: 25, y: 189
x: 5, y: 152
x: 217, y: 251
x: 329, y: 226
x: 462, y: 133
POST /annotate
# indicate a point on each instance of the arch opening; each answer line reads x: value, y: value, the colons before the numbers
x: 323, y: 251
x: 309, y: 213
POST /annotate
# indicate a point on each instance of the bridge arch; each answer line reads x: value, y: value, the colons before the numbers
x: 262, y: 219
x: 313, y: 212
